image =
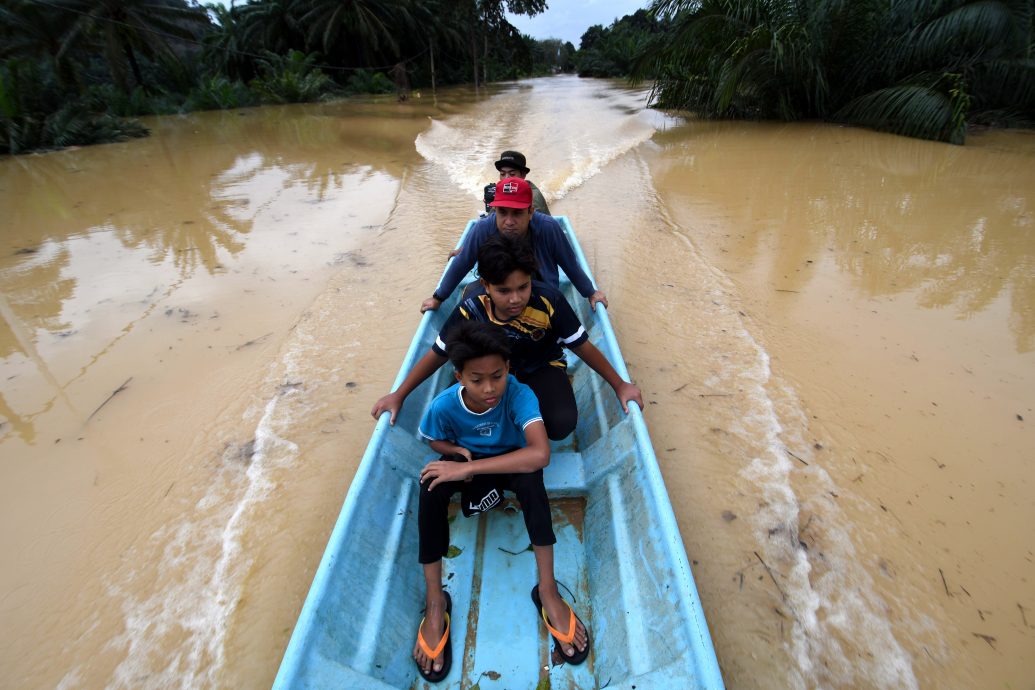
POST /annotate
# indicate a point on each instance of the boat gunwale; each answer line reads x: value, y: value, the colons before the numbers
x: 691, y: 602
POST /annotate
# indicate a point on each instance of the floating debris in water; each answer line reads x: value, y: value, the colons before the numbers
x: 254, y: 341
x: 289, y: 386
x: 241, y: 453
x: 108, y: 399
x: 990, y: 639
x: 354, y: 257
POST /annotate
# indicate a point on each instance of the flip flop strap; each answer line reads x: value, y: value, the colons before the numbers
x: 564, y: 638
x: 433, y: 653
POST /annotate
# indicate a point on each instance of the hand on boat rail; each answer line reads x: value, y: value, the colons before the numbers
x: 430, y: 304
x: 388, y: 403
x: 629, y: 392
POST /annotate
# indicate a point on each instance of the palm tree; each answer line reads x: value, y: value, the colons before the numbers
x: 124, y: 28
x: 226, y: 49
x: 272, y: 25
x: 941, y: 65
x: 28, y: 29
x: 923, y: 68
x: 361, y: 30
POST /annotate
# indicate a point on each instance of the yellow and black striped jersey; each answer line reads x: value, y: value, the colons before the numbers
x: 538, y: 335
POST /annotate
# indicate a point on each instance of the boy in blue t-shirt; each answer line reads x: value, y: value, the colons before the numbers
x: 488, y: 429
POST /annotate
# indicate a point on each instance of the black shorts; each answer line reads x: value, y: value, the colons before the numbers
x: 484, y: 492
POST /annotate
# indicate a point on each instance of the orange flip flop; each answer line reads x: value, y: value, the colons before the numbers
x: 560, y: 638
x: 444, y: 648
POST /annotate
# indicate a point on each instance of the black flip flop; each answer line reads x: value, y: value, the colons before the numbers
x: 445, y: 648
x: 560, y: 638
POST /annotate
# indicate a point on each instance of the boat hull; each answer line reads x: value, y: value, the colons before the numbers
x: 619, y: 556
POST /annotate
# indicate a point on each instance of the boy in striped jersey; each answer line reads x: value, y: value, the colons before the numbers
x: 539, y: 324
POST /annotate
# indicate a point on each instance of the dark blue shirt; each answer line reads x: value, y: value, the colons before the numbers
x: 551, y: 248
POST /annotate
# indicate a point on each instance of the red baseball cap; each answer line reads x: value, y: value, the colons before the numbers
x: 513, y: 192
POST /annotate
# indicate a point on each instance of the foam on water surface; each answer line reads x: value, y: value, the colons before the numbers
x: 532, y: 117
x: 203, y: 564
x: 840, y: 635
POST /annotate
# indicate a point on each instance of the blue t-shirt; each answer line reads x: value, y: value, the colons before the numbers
x: 499, y: 429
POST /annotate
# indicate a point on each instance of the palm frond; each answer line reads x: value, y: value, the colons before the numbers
x: 1006, y: 84
x: 975, y: 31
x: 912, y: 110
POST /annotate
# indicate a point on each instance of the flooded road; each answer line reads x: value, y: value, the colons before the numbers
x: 833, y: 328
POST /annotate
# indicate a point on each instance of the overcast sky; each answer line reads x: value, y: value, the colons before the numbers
x: 569, y: 19
x: 565, y: 19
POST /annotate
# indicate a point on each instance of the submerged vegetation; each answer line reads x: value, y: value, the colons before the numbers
x: 920, y: 68
x: 76, y: 72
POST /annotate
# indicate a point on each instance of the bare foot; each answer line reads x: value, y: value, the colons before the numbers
x: 432, y: 629
x: 559, y: 614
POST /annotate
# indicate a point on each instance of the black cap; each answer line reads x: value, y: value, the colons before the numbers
x: 512, y: 159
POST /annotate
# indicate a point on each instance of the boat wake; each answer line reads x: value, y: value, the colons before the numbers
x: 839, y: 631
x: 840, y: 636
x: 177, y: 636
x: 598, y: 124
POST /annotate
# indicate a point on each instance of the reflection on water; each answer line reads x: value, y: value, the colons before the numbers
x: 144, y: 288
x: 956, y: 226
x: 102, y: 235
x: 886, y: 286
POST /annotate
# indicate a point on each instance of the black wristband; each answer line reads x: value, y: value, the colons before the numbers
x: 434, y: 295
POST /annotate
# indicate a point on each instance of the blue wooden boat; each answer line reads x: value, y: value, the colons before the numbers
x: 619, y: 554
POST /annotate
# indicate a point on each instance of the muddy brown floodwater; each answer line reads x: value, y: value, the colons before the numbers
x: 833, y: 328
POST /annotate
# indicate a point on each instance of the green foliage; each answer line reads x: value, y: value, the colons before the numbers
x: 107, y: 98
x: 370, y: 27
x: 920, y: 68
x: 550, y: 56
x: 72, y: 126
x: 612, y: 51
x: 291, y: 78
x: 84, y: 64
x: 30, y: 118
x: 366, y: 81
x: 219, y: 93
x: 127, y: 31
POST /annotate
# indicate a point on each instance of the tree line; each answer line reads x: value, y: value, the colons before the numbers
x: 76, y: 72
x: 930, y: 69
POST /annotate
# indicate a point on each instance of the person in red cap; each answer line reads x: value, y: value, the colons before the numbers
x: 514, y: 216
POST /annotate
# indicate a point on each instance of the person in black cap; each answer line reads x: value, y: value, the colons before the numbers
x: 513, y: 164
